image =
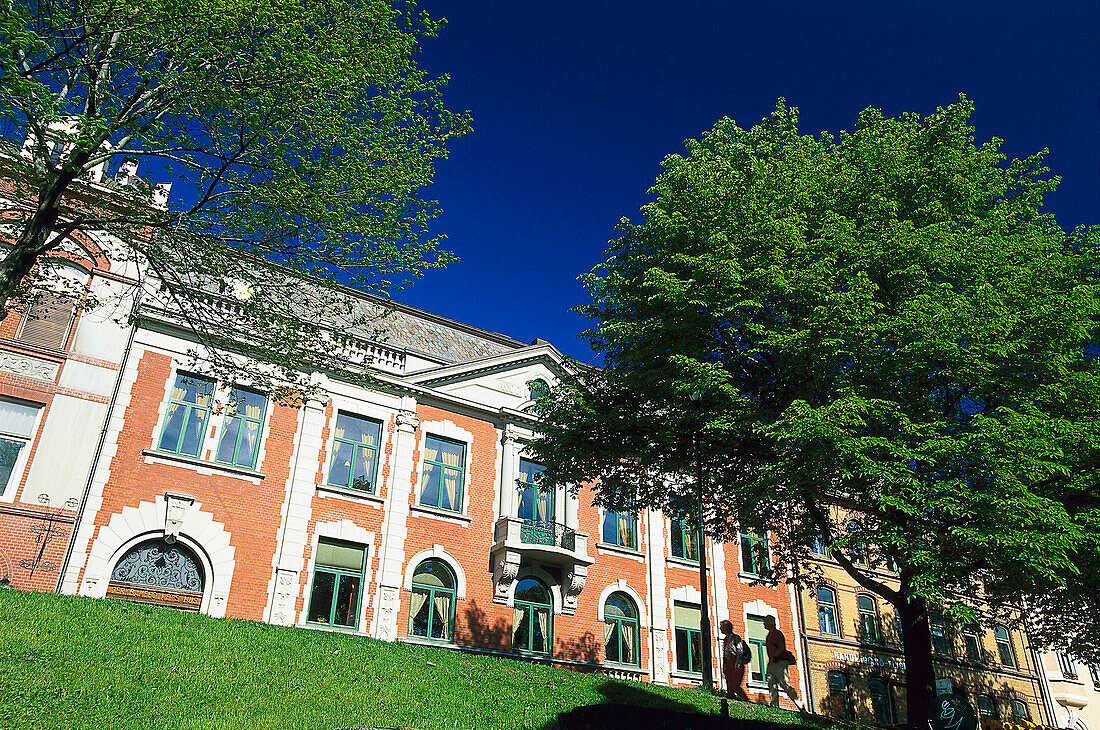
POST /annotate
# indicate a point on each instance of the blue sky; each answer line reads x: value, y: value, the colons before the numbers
x: 575, y: 104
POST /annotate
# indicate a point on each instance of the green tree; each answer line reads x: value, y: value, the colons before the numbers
x: 876, y: 338
x: 298, y: 134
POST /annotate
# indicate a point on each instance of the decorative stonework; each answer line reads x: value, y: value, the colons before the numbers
x: 407, y: 421
x: 660, y: 657
x: 286, y: 585
x: 388, y: 603
x: 574, y: 584
x: 504, y: 575
x: 177, y: 507
x: 30, y: 367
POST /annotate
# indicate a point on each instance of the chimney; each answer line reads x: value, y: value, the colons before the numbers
x: 160, y: 195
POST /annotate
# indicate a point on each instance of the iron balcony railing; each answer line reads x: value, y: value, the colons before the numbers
x: 544, y: 532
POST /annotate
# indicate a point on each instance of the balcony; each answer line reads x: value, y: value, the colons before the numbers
x: 526, y: 541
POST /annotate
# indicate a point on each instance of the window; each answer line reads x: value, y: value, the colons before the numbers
x: 337, y: 584
x: 1067, y: 665
x: 532, y: 630
x: 1094, y: 674
x: 188, y: 409
x: 881, y: 705
x: 688, y: 642
x: 868, y: 619
x: 444, y: 467
x: 535, y: 503
x: 1020, y: 711
x: 826, y: 610
x: 537, y: 388
x: 940, y: 643
x: 973, y: 643
x: 620, y: 630
x: 685, y: 540
x: 755, y: 635
x: 817, y: 546
x: 355, y: 453
x: 839, y: 700
x: 46, y: 321
x: 620, y: 528
x: 244, y: 417
x: 16, y: 428
x: 858, y: 550
x: 987, y: 707
x: 1004, y: 646
x: 754, y: 553
x: 431, y: 611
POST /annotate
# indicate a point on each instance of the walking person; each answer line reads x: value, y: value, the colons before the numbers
x: 734, y: 651
x: 779, y: 658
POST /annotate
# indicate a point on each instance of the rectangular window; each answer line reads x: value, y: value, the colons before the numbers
x: 685, y: 540
x: 444, y: 473
x: 688, y: 642
x: 973, y: 643
x: 355, y: 452
x: 535, y: 503
x: 188, y: 410
x: 620, y: 528
x: 756, y: 635
x: 754, y: 553
x: 1067, y: 665
x: 16, y: 428
x: 941, y: 645
x: 244, y: 419
x: 47, y: 320
x: 1094, y: 673
x: 337, y: 583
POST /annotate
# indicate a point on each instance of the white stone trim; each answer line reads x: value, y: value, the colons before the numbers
x: 199, y: 531
x: 621, y: 586
x: 436, y: 551
x: 22, y: 462
x: 530, y: 571
x: 347, y: 531
x: 759, y: 608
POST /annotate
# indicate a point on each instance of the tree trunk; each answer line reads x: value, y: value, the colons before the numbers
x: 920, y: 681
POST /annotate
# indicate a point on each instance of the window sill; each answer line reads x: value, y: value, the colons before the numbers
x: 759, y: 579
x: 353, y: 495
x: 440, y: 514
x: 692, y: 563
x: 683, y: 676
x: 421, y: 641
x: 191, y: 461
x: 604, y: 547
x: 625, y: 669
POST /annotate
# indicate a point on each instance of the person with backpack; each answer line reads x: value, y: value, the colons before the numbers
x: 736, y: 655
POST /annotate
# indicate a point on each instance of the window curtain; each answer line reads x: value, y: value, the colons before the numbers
x: 431, y: 451
x: 608, y: 629
x: 418, y: 600
x: 542, y: 626
x: 543, y: 502
x: 625, y: 529
x: 628, y: 632
x: 519, y: 633
x: 450, y: 480
x: 443, y: 615
x: 452, y: 458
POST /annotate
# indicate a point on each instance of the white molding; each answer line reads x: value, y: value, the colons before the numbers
x: 347, y: 531
x: 622, y: 586
x: 436, y: 551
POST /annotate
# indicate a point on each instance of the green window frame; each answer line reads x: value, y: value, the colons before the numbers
x: 432, y: 602
x: 444, y: 473
x: 688, y: 637
x: 355, y: 448
x: 533, y: 501
x: 754, y: 553
x: 532, y: 618
x: 1004, y: 646
x: 241, y: 428
x: 337, y: 589
x: 869, y: 629
x: 685, y: 540
x: 620, y: 528
x: 826, y: 610
x: 941, y: 644
x: 973, y: 642
x: 756, y: 634
x: 184, y: 429
x: 620, y: 631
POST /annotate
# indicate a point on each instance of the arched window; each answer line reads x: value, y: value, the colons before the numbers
x: 531, y: 618
x: 432, y: 609
x: 826, y: 609
x: 1004, y: 646
x: 620, y: 630
x: 839, y: 700
x: 973, y: 641
x: 537, y: 388
x: 987, y: 707
x: 160, y: 573
x: 868, y: 619
x: 880, y: 701
x: 1020, y: 711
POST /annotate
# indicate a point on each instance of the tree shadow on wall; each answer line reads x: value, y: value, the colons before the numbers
x: 585, y: 648
x: 478, y: 630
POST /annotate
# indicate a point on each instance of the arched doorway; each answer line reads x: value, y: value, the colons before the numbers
x: 158, y: 573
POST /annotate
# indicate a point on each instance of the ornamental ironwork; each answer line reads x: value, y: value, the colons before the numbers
x: 543, y: 532
x: 159, y: 564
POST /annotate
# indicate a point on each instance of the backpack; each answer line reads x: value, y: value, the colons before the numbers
x: 746, y: 652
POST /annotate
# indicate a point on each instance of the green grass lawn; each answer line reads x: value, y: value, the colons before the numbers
x: 71, y: 662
